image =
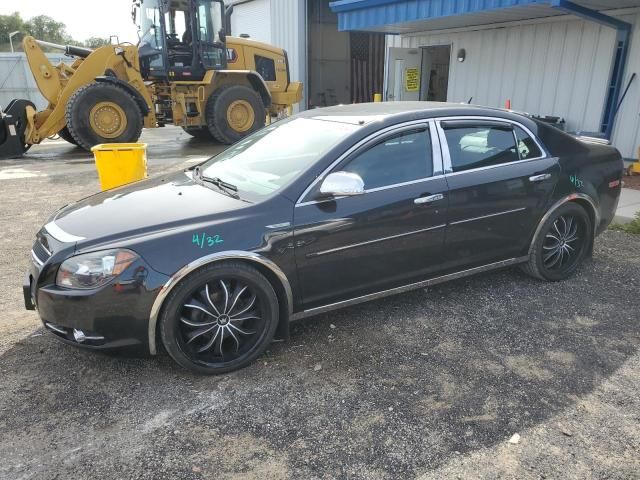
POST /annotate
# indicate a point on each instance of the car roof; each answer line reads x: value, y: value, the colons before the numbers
x: 391, y: 112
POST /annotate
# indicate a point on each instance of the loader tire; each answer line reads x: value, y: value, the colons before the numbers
x: 233, y: 112
x: 200, y: 133
x: 65, y: 134
x: 103, y: 113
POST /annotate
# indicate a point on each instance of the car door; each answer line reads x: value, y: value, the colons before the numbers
x: 388, y: 236
x: 500, y: 182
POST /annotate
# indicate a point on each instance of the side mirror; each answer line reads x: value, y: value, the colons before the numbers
x: 342, y: 184
x: 222, y: 36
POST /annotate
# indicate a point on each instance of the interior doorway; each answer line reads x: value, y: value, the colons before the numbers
x: 436, y: 61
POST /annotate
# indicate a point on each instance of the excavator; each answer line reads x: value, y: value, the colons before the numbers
x: 184, y: 71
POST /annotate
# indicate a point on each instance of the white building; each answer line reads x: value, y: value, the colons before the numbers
x: 547, y: 57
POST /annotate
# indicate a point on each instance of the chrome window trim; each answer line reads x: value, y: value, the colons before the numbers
x: 369, y: 242
x: 426, y: 122
x: 406, y: 288
x: 497, y: 214
x: 59, y: 234
x: 446, y: 156
x: 201, y: 262
x: 372, y: 190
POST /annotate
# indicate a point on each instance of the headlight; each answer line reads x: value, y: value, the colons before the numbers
x: 94, y: 269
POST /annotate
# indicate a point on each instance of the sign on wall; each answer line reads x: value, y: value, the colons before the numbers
x: 412, y: 79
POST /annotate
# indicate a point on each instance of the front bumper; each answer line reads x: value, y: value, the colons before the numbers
x: 112, y: 316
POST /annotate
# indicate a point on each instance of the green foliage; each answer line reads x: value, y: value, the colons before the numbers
x: 8, y: 24
x: 46, y: 28
x: 95, y: 42
x: 632, y: 227
x: 41, y: 27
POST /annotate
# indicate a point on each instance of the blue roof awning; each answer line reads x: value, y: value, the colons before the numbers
x: 405, y: 16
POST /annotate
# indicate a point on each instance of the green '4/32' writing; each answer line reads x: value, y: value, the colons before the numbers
x: 204, y: 239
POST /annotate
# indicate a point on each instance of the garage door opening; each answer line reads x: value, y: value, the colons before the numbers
x: 343, y: 67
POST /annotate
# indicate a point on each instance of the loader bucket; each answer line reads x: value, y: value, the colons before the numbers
x: 13, y: 126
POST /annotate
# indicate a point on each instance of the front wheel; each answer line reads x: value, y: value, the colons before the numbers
x: 233, y: 112
x: 219, y: 319
x: 199, y: 133
x: 562, y: 244
x: 103, y: 113
x: 66, y: 135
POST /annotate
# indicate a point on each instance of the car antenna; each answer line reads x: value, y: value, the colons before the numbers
x: 469, y: 102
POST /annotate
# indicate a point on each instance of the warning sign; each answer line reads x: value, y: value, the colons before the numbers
x: 412, y: 79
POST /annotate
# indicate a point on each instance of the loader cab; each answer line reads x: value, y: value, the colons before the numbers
x: 180, y: 39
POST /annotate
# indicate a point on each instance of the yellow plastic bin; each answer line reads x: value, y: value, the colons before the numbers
x: 120, y: 163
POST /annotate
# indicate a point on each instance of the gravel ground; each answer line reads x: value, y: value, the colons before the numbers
x: 430, y: 384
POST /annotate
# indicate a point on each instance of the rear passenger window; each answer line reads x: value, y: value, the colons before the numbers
x: 480, y: 146
x: 401, y: 158
x: 527, y: 147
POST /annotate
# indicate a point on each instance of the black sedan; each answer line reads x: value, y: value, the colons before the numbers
x: 326, y: 209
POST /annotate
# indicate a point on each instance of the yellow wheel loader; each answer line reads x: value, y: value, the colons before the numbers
x: 184, y: 71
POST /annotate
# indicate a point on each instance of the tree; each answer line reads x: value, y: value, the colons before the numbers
x: 95, y: 42
x: 46, y: 28
x: 8, y: 24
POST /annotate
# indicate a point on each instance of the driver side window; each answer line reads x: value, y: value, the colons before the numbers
x: 400, y: 158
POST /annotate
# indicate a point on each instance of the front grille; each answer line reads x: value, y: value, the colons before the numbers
x: 40, y: 253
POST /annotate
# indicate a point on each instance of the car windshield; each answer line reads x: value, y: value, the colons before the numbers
x: 271, y: 158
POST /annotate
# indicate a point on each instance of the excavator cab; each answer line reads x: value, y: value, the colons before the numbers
x: 180, y: 39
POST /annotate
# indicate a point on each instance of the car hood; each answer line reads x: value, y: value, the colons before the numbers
x: 142, y: 207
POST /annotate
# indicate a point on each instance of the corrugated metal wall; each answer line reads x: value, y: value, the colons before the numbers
x: 557, y: 67
x: 626, y: 135
x: 251, y: 18
x: 16, y: 79
x: 279, y: 22
x: 288, y: 31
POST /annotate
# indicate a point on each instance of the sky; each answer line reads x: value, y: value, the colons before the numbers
x: 83, y: 18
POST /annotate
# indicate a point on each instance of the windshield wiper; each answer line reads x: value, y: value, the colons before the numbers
x: 220, y: 183
x: 228, y: 188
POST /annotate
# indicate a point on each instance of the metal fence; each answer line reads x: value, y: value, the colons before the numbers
x: 16, y: 79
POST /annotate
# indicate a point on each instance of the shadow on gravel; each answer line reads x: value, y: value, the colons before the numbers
x: 405, y: 383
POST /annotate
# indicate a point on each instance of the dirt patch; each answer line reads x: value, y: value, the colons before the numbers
x: 632, y: 181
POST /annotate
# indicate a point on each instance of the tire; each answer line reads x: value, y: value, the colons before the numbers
x: 200, y: 133
x: 229, y: 103
x: 66, y: 135
x: 199, y: 327
x: 103, y: 113
x: 562, y: 244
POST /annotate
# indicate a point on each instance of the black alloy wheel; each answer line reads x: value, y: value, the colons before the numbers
x: 564, y: 241
x: 219, y: 319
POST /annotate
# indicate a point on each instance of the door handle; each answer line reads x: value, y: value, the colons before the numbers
x: 428, y: 199
x: 540, y: 178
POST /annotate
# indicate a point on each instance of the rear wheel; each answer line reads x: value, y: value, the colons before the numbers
x: 103, y: 113
x: 233, y: 112
x: 66, y: 135
x: 562, y: 244
x: 219, y: 319
x: 201, y: 133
